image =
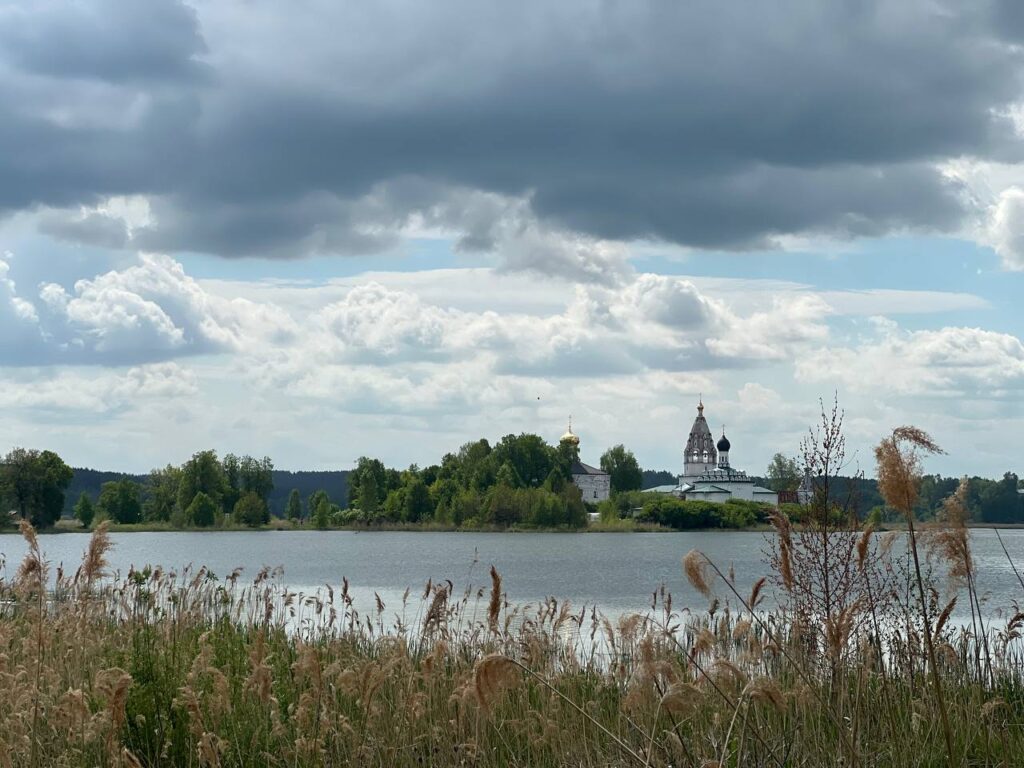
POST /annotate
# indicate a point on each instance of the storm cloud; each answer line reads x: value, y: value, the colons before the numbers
x: 256, y: 128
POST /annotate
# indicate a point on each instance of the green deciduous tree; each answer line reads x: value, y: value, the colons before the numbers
x: 369, y: 495
x: 783, y: 473
x: 85, y: 512
x: 315, y: 498
x: 232, y: 490
x: 204, y: 474
x: 294, y: 509
x: 418, y: 505
x: 530, y: 457
x: 160, y: 494
x: 623, y: 469
x: 322, y: 514
x: 202, y: 511
x: 121, y: 501
x: 33, y: 484
x: 251, y: 510
x: 257, y: 476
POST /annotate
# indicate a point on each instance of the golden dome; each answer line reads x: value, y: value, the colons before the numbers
x: 570, y: 436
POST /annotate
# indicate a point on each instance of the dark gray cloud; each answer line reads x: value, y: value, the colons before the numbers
x: 324, y: 128
x: 110, y: 40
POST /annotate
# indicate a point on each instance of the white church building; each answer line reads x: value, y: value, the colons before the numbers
x: 707, y: 473
x: 595, y: 484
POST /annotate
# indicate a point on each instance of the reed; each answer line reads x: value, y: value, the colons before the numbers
x: 159, y: 668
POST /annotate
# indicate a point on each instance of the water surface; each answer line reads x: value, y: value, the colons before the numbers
x: 618, y: 572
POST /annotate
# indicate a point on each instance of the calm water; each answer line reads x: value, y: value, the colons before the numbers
x: 615, y: 571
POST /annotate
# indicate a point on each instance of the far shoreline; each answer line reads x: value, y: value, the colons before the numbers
x: 67, y: 526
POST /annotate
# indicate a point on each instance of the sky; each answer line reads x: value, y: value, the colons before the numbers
x: 318, y: 230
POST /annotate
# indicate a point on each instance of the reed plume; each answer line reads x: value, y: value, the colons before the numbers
x: 696, y: 569
x: 494, y: 605
x: 490, y: 675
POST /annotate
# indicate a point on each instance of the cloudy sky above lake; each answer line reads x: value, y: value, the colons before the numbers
x: 322, y: 229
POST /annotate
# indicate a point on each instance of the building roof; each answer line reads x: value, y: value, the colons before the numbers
x: 724, y: 475
x: 662, y: 489
x: 579, y: 468
x: 708, y: 489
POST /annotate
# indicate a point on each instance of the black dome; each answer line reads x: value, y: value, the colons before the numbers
x: 723, y: 444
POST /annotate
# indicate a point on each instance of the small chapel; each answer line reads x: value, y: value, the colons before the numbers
x: 595, y: 484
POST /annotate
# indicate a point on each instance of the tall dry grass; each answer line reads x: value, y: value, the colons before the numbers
x: 162, y: 668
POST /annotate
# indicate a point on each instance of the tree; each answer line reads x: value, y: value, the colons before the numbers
x: 202, y: 511
x: 783, y: 473
x: 202, y: 474
x: 369, y: 497
x: 252, y: 510
x: 257, y: 476
x: 529, y: 455
x: 322, y: 515
x: 418, y: 505
x: 84, y: 510
x: 294, y: 509
x: 232, y: 492
x: 999, y: 501
x: 507, y: 476
x: 367, y: 466
x: 161, y: 493
x: 314, y: 501
x: 624, y: 471
x: 121, y: 501
x: 33, y: 482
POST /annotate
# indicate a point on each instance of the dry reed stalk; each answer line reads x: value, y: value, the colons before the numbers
x: 781, y: 524
x: 94, y: 563
x: 435, y: 612
x: 543, y: 681
x: 837, y: 722
x: 755, y: 592
x: 899, y: 475
x: 494, y: 605
x: 863, y: 546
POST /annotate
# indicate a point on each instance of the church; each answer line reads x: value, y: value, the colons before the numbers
x: 595, y: 484
x: 707, y: 473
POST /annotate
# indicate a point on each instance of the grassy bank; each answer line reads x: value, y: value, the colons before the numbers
x: 185, y: 669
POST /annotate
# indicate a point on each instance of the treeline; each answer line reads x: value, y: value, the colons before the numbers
x: 519, y: 481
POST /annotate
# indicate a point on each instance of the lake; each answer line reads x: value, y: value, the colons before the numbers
x: 617, y: 572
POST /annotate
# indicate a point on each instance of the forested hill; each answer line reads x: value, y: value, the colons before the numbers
x: 335, y: 483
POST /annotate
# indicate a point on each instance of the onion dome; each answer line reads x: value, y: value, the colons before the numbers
x: 723, y: 443
x: 570, y: 436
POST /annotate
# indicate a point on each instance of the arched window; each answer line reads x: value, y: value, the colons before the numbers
x: 705, y: 457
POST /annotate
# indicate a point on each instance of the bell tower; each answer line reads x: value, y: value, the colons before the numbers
x: 700, y: 454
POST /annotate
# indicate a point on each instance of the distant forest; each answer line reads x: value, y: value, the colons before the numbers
x: 334, y: 483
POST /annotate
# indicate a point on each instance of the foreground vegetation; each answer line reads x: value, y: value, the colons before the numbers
x: 860, y: 662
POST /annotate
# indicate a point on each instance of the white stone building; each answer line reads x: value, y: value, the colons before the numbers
x: 595, y: 484
x: 707, y: 474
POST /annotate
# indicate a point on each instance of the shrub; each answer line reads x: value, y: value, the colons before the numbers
x: 202, y: 511
x: 251, y: 510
